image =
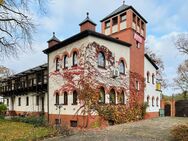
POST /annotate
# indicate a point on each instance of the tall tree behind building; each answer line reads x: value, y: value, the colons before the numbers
x: 16, y: 26
x: 181, y: 81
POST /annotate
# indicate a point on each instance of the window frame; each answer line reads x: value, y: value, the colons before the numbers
x: 65, y: 98
x: 100, y: 98
x: 75, y: 56
x: 148, y: 77
x: 65, y: 62
x: 75, y: 98
x: 104, y: 60
x: 57, y: 64
x: 112, y: 96
x: 37, y: 100
x: 57, y: 98
x: 153, y: 78
x: 153, y: 99
x: 122, y: 15
x: 106, y: 24
x: 122, y: 62
x: 27, y: 101
x: 19, y: 101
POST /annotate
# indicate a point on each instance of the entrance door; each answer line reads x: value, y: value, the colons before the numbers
x: 167, y: 110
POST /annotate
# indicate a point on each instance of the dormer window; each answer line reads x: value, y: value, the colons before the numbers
x: 123, y: 17
x: 57, y: 64
x: 115, y: 21
x: 101, y: 60
x: 107, y: 24
x: 65, y: 61
x: 122, y: 67
x: 75, y: 59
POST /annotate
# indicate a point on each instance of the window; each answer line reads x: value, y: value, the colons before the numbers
x: 57, y: 99
x: 73, y: 123
x: 148, y: 77
x: 142, y: 25
x: 134, y: 18
x: 138, y: 22
x: 7, y: 102
x: 123, y: 17
x: 157, y: 101
x: 27, y: 101
x: 57, y: 121
x: 138, y: 44
x: 74, y: 60
x: 19, y: 101
x: 153, y: 79
x: 148, y: 100
x: 112, y: 96
x: 137, y: 85
x: 65, y: 62
x: 122, y: 67
x: 102, y: 96
x: 65, y: 98
x: 114, y: 21
x: 57, y: 64
x: 153, y: 101
x: 121, y: 98
x: 101, y: 59
x: 75, y: 97
x: 37, y: 100
x: 107, y: 24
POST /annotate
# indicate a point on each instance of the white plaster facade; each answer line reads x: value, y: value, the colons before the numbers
x: 150, y: 89
x: 56, y: 81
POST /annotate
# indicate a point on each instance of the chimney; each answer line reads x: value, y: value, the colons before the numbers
x: 87, y: 24
x: 53, y: 41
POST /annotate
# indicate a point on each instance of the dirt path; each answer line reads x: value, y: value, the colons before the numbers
x: 157, y: 129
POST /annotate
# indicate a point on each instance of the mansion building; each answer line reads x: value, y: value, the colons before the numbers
x: 113, y: 61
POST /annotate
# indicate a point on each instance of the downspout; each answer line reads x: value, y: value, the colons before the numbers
x: 48, y: 90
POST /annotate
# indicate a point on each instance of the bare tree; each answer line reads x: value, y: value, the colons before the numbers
x: 159, y: 62
x: 181, y: 81
x: 16, y: 26
x: 182, y: 43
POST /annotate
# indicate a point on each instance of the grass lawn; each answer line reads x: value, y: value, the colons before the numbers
x: 10, y: 131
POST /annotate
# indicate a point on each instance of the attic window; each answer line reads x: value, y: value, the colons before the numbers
x: 123, y: 17
x: 114, y: 21
x: 107, y: 24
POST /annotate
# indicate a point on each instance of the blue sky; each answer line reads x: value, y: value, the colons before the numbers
x: 165, y: 19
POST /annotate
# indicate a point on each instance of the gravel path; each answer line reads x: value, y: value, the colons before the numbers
x: 157, y: 129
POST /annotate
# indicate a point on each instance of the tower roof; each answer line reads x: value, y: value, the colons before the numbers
x: 121, y: 9
x: 87, y: 19
x: 54, y: 38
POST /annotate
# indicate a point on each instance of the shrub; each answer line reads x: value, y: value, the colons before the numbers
x: 180, y: 132
x: 3, y: 109
x: 36, y: 121
x: 64, y: 130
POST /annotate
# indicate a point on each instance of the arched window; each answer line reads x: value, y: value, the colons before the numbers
x: 65, y: 61
x: 157, y: 101
x: 148, y: 100
x: 65, y: 98
x: 121, y: 98
x: 153, y: 101
x: 57, y: 98
x: 148, y: 77
x: 153, y: 79
x: 57, y: 61
x: 102, y: 96
x: 112, y: 96
x: 74, y: 59
x: 75, y: 98
x: 101, y: 59
x: 122, y: 67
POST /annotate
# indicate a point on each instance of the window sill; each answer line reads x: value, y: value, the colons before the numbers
x: 74, y: 104
x: 65, y: 68
x: 101, y: 67
x: 73, y: 66
x: 122, y: 73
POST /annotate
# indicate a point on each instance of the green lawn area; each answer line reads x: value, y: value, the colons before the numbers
x: 18, y: 131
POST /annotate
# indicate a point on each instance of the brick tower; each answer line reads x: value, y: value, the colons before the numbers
x: 126, y: 24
